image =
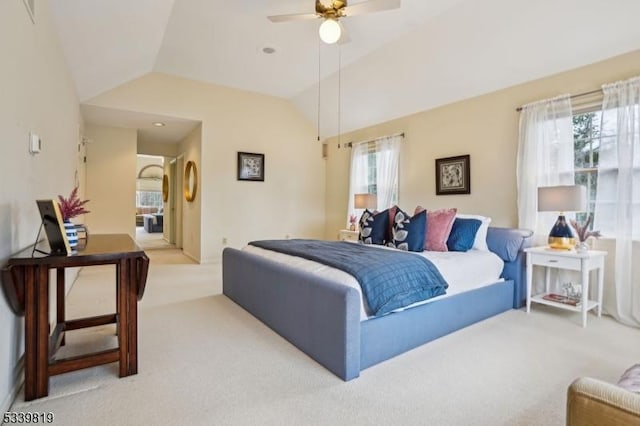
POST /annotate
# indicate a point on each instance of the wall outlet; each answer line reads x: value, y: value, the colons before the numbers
x: 35, y: 144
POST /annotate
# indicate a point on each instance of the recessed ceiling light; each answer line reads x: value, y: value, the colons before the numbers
x: 158, y: 124
x: 268, y: 50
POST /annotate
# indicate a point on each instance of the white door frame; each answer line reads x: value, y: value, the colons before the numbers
x: 178, y: 200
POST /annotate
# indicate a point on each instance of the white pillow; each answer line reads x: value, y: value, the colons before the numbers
x: 480, y: 243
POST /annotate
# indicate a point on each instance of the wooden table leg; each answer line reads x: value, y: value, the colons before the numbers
x: 133, y: 317
x: 60, y: 295
x: 123, y: 316
x: 36, y: 344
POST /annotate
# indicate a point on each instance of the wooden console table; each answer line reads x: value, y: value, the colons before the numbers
x: 25, y: 279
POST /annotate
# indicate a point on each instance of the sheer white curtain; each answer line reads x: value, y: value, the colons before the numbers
x: 545, y: 158
x: 358, y: 180
x: 617, y: 212
x: 387, y: 158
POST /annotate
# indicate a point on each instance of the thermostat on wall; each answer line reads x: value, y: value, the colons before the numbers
x: 35, y: 144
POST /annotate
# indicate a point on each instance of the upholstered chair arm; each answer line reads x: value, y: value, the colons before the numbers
x: 594, y: 402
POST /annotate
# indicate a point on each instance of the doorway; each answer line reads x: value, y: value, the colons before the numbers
x: 150, y: 203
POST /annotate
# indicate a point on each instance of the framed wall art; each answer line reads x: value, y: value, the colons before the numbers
x: 250, y: 166
x: 453, y: 175
x: 190, y: 181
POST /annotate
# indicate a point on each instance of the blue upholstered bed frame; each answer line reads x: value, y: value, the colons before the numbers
x: 322, y: 318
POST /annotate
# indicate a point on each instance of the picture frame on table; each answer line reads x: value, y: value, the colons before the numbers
x: 453, y: 175
x: 250, y: 166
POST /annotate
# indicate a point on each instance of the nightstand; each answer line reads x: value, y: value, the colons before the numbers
x: 346, y: 235
x: 570, y: 260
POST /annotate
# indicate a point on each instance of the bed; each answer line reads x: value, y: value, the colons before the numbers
x: 323, y: 317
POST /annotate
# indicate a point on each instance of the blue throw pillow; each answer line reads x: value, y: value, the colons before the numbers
x: 409, y: 232
x: 373, y: 227
x: 463, y: 234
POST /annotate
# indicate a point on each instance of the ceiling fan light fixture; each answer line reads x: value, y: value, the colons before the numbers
x: 330, y: 31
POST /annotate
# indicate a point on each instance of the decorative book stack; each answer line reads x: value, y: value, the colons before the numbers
x: 562, y: 299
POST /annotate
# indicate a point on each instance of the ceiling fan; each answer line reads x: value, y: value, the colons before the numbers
x: 330, y: 29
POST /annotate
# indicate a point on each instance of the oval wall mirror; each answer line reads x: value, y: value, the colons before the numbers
x: 190, y: 181
x: 165, y: 188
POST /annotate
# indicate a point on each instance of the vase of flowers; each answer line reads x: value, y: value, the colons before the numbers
x: 583, y: 234
x: 352, y: 222
x: 70, y: 208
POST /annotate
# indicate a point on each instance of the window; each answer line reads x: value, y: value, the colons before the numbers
x: 595, y: 133
x: 372, y: 187
x: 586, y: 143
x: 374, y: 170
x: 149, y: 180
x: 148, y: 198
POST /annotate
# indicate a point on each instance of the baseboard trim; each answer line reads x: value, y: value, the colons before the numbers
x: 190, y: 256
x: 18, y: 380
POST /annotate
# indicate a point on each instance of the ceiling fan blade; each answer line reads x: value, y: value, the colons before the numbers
x: 371, y: 6
x: 292, y: 17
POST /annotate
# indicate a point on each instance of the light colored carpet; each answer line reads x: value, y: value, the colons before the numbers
x: 203, y: 360
x: 151, y: 241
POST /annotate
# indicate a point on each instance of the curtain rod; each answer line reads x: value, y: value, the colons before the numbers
x: 350, y: 144
x: 578, y: 95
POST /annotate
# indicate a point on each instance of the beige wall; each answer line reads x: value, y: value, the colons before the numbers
x: 111, y: 180
x: 291, y: 200
x: 36, y: 94
x: 190, y: 148
x: 161, y: 149
x: 486, y: 127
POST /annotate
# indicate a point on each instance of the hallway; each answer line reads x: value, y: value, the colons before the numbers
x: 151, y: 241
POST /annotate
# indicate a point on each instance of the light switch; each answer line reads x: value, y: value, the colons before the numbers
x: 35, y: 144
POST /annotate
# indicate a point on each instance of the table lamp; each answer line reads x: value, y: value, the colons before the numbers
x: 364, y: 201
x: 564, y: 198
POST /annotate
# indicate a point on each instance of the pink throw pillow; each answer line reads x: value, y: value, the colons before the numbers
x: 439, y: 224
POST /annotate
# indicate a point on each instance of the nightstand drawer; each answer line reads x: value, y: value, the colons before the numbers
x: 555, y: 261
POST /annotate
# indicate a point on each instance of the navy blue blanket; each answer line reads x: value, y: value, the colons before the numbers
x: 389, y: 279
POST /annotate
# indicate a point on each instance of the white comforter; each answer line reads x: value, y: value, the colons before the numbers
x: 463, y: 271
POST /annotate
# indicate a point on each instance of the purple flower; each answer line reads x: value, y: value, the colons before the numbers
x: 72, y: 206
x: 583, y: 232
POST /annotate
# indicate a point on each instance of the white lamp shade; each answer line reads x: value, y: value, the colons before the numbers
x: 330, y: 31
x: 365, y: 201
x: 564, y: 198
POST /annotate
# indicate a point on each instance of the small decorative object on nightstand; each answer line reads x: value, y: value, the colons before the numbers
x: 348, y: 235
x: 583, y: 234
x: 352, y: 222
x: 584, y: 262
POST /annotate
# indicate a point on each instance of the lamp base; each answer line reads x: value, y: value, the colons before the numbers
x: 561, y: 237
x: 562, y: 243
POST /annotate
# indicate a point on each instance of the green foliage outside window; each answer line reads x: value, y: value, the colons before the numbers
x: 586, y: 144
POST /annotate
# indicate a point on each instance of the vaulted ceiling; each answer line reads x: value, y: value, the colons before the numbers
x: 425, y: 54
